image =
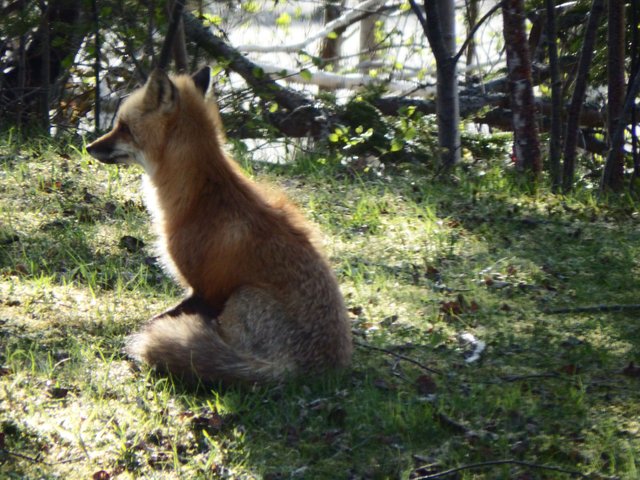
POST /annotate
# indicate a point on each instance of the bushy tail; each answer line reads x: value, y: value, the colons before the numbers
x: 188, y: 346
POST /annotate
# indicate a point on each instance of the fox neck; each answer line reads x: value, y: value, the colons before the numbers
x: 193, y: 176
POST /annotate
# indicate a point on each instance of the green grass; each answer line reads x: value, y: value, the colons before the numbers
x: 420, y: 262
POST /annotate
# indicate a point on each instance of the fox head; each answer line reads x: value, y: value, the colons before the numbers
x: 150, y: 115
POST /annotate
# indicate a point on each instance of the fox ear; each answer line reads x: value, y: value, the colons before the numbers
x: 160, y: 93
x: 202, y: 78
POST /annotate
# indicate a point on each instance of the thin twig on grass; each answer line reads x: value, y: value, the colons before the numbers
x: 594, y: 309
x: 501, y: 462
x: 37, y: 460
x: 399, y: 356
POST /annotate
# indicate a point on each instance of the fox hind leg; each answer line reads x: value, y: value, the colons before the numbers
x: 246, y: 342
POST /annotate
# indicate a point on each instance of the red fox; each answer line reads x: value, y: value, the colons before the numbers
x: 263, y: 303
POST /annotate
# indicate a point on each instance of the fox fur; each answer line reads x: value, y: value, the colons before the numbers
x: 263, y: 303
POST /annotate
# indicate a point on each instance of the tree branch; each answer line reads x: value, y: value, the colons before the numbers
x: 355, y: 14
x: 167, y: 46
x: 302, y: 117
x: 475, y: 28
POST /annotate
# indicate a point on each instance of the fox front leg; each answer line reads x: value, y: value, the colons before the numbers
x: 192, y: 305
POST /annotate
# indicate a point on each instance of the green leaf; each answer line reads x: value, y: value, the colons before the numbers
x: 410, y: 133
x: 284, y: 20
x: 306, y: 74
x: 212, y: 19
x: 257, y: 72
x: 251, y: 7
x: 216, y: 70
x: 396, y: 145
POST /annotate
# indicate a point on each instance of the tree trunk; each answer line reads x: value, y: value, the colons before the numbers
x: 635, y: 67
x: 96, y: 65
x: 555, y: 134
x: 368, y: 42
x: 331, y: 45
x: 613, y: 176
x: 174, y: 21
x: 586, y: 54
x: 525, y: 130
x: 617, y: 138
x: 38, y: 64
x: 45, y: 121
x: 439, y: 26
x: 471, y: 18
x: 179, y: 47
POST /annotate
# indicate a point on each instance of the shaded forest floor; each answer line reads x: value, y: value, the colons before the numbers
x: 430, y: 273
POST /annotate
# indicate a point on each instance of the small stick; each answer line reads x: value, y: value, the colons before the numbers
x: 594, y: 308
x: 398, y: 355
x: 500, y: 462
x: 37, y: 460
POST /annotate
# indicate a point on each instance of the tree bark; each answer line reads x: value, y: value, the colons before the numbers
x: 525, y: 130
x: 368, y: 42
x: 179, y: 47
x: 617, y: 138
x: 471, y: 18
x: 635, y: 67
x: 555, y: 134
x: 96, y: 64
x: 330, y: 47
x: 613, y: 175
x: 439, y: 26
x: 45, y: 28
x: 22, y: 84
x: 175, y: 19
x: 573, y: 116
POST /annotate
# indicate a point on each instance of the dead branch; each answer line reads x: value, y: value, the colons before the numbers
x: 37, y: 460
x: 594, y: 309
x: 398, y: 356
x: 475, y: 466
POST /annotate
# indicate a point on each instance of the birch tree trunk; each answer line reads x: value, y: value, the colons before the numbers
x: 526, y: 144
x: 613, y: 176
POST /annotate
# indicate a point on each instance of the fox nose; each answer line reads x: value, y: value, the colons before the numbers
x: 93, y: 150
x: 98, y: 151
